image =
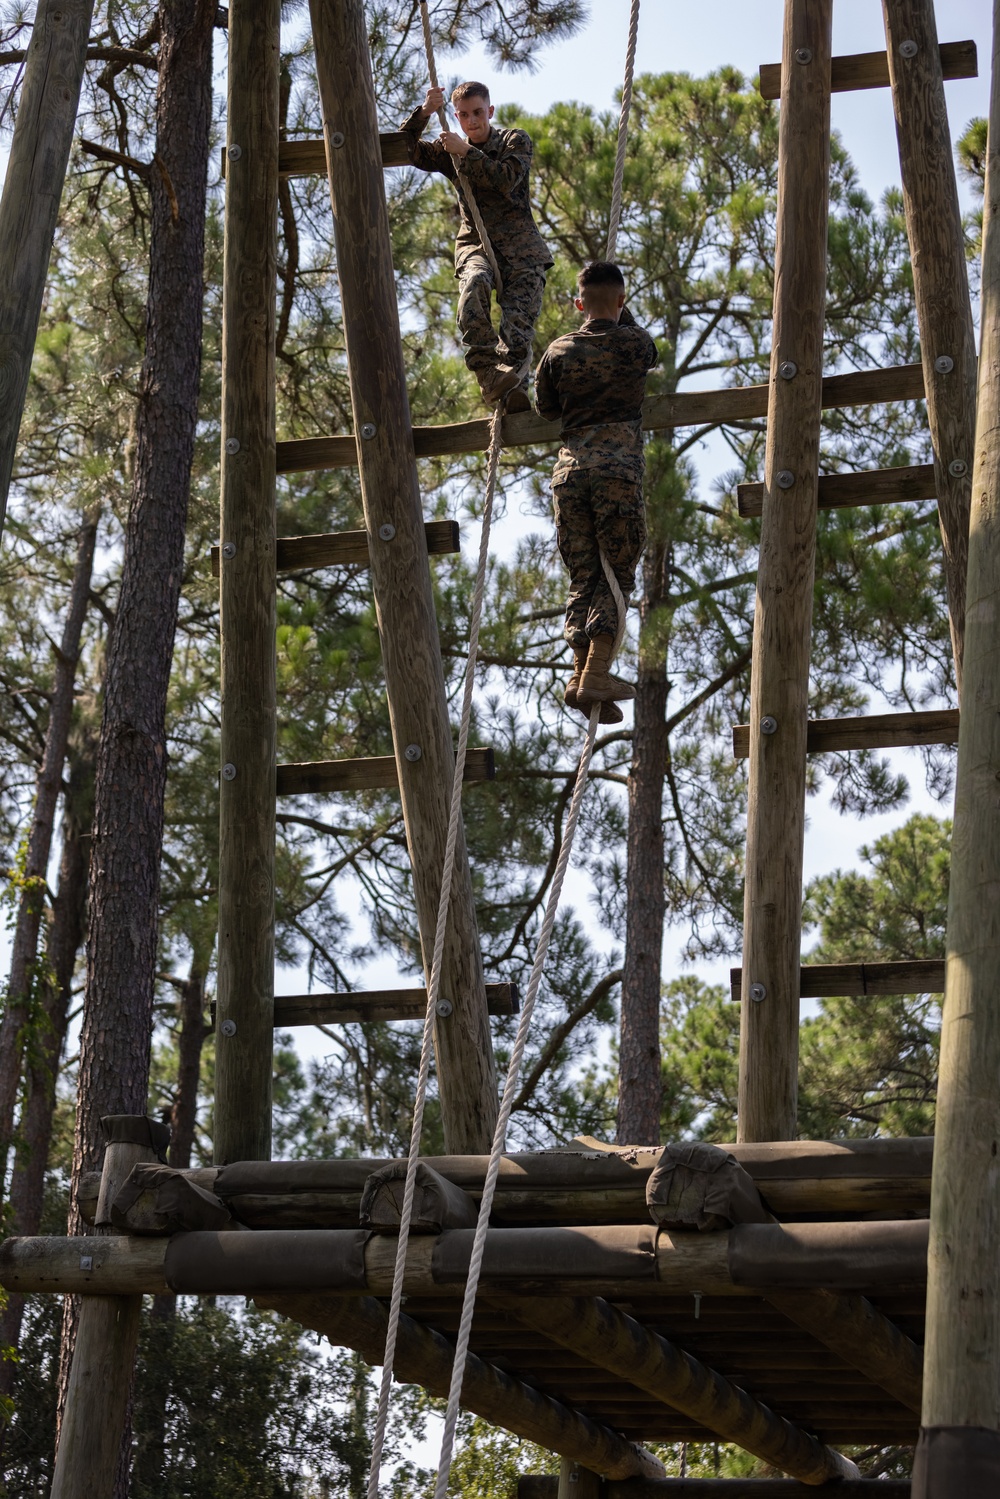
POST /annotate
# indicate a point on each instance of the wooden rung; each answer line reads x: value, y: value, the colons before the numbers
x: 347, y: 548
x: 879, y: 731
x: 880, y: 486
x: 825, y: 980
x: 377, y: 1004
x: 308, y: 158
x: 871, y: 69
x: 693, y: 408
x: 373, y: 773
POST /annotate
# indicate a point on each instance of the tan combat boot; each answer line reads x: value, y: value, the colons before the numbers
x: 597, y: 685
x: 496, y: 384
x: 609, y: 712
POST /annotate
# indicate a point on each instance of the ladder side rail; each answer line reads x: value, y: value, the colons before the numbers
x: 401, y: 582
x: 768, y: 1084
x: 245, y: 1034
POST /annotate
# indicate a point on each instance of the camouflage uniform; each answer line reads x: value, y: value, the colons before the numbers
x: 593, y: 381
x: 498, y: 174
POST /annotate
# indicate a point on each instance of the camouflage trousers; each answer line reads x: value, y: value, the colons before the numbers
x: 520, y: 305
x: 596, y: 512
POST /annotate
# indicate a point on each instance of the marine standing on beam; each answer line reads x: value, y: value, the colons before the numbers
x: 593, y: 382
x: 496, y: 164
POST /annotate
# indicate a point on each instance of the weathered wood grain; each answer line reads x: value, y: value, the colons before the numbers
x: 692, y: 408
x: 940, y: 280
x: 861, y: 70
x: 347, y: 548
x: 962, y: 1361
x: 377, y: 1004
x: 825, y: 736
x: 820, y: 980
x: 859, y: 1334
x: 411, y: 653
x: 247, y: 593
x: 371, y: 773
x: 880, y: 486
x: 768, y: 1085
x: 39, y: 153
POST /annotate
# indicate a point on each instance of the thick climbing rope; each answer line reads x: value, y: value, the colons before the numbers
x: 551, y: 907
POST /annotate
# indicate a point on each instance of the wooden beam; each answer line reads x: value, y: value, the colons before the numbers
x: 694, y: 408
x: 880, y: 486
x: 940, y: 279
x: 380, y: 1004
x: 372, y: 773
x: 860, y: 1335
x: 828, y: 736
x: 577, y: 1483
x: 390, y: 492
x: 601, y: 1334
x: 779, y: 684
x: 424, y: 1356
x: 308, y: 158
x: 547, y: 1487
x: 247, y: 594
x: 32, y: 189
x: 347, y: 548
x: 862, y: 70
x: 820, y: 980
x: 959, y: 1447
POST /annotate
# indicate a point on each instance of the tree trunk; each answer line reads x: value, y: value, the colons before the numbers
x: 17, y: 1011
x: 640, y: 1086
x: 27, y: 1189
x: 132, y: 759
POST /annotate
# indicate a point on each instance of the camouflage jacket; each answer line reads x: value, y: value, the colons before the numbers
x: 593, y: 382
x: 498, y: 174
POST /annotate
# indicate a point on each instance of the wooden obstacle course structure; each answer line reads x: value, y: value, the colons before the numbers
x: 597, y: 1331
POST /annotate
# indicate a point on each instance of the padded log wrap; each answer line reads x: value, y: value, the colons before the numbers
x: 136, y: 1129
x: 696, y: 1185
x: 437, y: 1204
x: 220, y: 1264
x: 543, y: 1254
x: 159, y: 1200
x: 838, y: 1256
x: 957, y: 1462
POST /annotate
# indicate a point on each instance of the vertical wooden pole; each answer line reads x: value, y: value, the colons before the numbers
x: 39, y: 151
x: 959, y: 1448
x: 769, y: 1025
x: 100, y: 1378
x: 940, y: 279
x: 576, y: 1482
x: 245, y: 1011
x: 411, y: 652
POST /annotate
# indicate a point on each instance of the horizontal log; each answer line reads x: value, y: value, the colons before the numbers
x: 372, y: 773
x: 547, y: 1487
x: 827, y: 736
x: 308, y: 158
x: 423, y: 1356
x: 880, y: 486
x: 825, y: 980
x: 620, y: 1262
x: 859, y: 1334
x: 348, y: 548
x: 694, y: 408
x: 376, y: 1004
x: 860, y: 70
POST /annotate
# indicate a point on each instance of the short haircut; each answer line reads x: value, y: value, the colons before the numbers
x: 470, y: 90
x: 601, y: 273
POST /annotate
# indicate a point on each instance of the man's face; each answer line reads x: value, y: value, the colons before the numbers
x: 474, y: 115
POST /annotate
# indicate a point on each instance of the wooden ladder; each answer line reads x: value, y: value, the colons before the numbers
x: 780, y: 735
x: 395, y: 544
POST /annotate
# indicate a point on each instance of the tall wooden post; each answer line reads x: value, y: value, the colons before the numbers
x: 245, y: 1011
x: 772, y: 919
x: 576, y: 1482
x: 100, y: 1377
x: 39, y: 151
x: 940, y: 279
x: 411, y: 653
x: 959, y: 1448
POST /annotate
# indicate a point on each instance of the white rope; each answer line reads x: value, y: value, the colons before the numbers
x: 464, y: 188
x: 616, y: 190
x: 434, y: 986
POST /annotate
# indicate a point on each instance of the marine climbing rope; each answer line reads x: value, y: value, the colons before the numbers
x: 555, y: 892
